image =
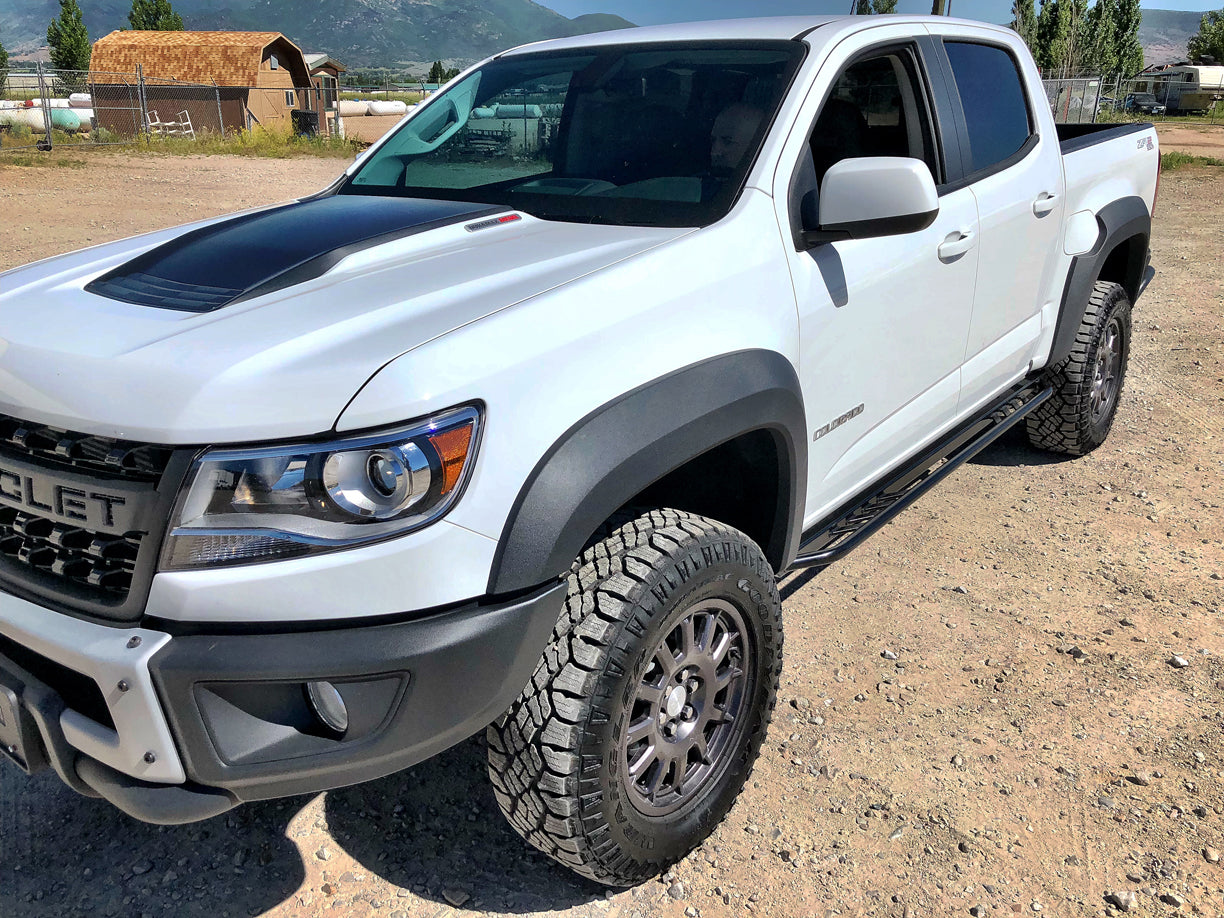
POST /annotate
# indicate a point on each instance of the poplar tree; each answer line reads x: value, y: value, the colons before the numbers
x: 1099, y: 53
x: 154, y: 16
x: 68, y: 38
x: 1053, y: 34
x: 1024, y: 21
x: 1127, y: 18
x: 870, y: 7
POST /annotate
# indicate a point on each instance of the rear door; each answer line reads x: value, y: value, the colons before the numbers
x: 883, y: 321
x: 1014, y: 170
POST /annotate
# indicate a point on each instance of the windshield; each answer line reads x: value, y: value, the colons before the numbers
x: 659, y: 135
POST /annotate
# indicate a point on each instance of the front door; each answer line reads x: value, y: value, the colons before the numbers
x: 883, y: 322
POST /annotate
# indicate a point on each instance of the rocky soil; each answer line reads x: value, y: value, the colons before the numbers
x: 1007, y: 702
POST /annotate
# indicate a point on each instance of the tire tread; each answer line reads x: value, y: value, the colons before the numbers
x: 548, y: 793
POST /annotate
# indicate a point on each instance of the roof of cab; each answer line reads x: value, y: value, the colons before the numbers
x: 765, y: 28
x: 773, y: 27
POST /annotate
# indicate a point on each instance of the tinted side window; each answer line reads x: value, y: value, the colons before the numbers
x: 876, y: 108
x: 992, y: 97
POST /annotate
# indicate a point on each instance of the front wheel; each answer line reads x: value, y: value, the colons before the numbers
x: 648, y: 708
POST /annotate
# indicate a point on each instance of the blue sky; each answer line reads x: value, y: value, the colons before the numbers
x: 650, y: 12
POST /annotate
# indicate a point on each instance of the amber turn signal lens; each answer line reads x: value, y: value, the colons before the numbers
x: 452, y: 446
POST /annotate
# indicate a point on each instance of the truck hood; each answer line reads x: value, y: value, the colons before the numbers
x: 264, y: 325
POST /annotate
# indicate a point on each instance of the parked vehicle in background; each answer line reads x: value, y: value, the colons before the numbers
x: 1143, y: 102
x: 519, y: 435
x: 1184, y: 87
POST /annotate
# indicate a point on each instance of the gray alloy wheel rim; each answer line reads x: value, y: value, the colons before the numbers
x: 688, y: 710
x: 1105, y: 373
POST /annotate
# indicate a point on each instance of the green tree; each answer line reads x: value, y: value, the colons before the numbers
x: 1210, y: 38
x: 439, y: 74
x: 1098, y: 51
x: 68, y: 38
x: 3, y: 68
x: 1053, y: 35
x: 869, y: 7
x: 1024, y: 21
x: 1078, y: 12
x: 154, y: 16
x: 1126, y: 37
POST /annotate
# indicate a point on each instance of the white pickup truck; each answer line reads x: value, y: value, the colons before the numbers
x: 518, y: 422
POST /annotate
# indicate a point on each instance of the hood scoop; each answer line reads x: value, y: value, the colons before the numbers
x: 234, y: 260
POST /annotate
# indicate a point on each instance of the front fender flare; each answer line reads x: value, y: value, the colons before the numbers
x: 616, y: 451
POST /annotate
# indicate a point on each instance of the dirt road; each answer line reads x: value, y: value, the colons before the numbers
x: 1032, y: 748
x: 1200, y: 140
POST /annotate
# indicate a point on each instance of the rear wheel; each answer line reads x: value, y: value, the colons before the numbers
x: 649, y: 706
x: 1088, y: 384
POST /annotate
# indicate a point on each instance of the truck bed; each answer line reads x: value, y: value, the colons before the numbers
x: 1072, y: 137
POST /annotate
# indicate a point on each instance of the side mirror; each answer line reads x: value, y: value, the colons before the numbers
x: 872, y: 196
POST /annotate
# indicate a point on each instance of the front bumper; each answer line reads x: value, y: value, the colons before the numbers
x: 184, y: 726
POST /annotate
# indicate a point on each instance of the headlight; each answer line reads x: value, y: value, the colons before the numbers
x: 244, y: 505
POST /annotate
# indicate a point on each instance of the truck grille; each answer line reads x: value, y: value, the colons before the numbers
x: 88, y: 558
x: 84, y: 452
x: 82, y: 516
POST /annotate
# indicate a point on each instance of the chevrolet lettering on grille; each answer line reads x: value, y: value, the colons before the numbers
x: 65, y: 501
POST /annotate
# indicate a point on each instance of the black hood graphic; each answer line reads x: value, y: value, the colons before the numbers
x: 248, y: 256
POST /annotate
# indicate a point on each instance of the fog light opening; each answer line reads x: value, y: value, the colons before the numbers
x: 328, y: 706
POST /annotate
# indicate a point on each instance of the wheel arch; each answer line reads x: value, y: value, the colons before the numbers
x: 629, y: 445
x: 1120, y: 255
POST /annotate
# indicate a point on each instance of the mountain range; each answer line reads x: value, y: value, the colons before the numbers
x: 387, y: 33
x: 1164, y: 34
x: 406, y: 33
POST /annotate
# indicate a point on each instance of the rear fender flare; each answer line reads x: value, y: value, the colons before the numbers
x: 1124, y: 219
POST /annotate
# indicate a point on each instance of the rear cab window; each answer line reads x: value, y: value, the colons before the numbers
x: 998, y: 122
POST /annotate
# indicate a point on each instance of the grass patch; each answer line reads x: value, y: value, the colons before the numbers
x: 44, y: 160
x: 1175, y: 159
x: 274, y: 142
x: 1111, y: 116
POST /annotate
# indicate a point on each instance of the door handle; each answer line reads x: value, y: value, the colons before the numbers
x: 1045, y: 203
x: 957, y: 243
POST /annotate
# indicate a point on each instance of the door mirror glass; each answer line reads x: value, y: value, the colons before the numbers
x: 871, y: 196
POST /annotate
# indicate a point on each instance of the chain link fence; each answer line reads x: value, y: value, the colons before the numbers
x: 1173, y: 97
x: 1074, y: 101
x: 1157, y: 97
x: 43, y: 108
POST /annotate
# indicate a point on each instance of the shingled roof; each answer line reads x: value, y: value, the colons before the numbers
x: 227, y: 58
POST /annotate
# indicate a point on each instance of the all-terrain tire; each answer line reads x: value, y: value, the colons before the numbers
x: 671, y: 624
x: 1088, y: 383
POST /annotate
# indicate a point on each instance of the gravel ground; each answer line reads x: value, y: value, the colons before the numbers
x: 1035, y: 746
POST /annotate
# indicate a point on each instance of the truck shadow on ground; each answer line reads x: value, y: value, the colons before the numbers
x: 1014, y: 450
x: 65, y: 855
x: 436, y: 831
x: 433, y: 830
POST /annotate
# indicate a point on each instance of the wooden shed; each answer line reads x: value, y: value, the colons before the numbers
x: 325, y: 73
x: 223, y: 81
